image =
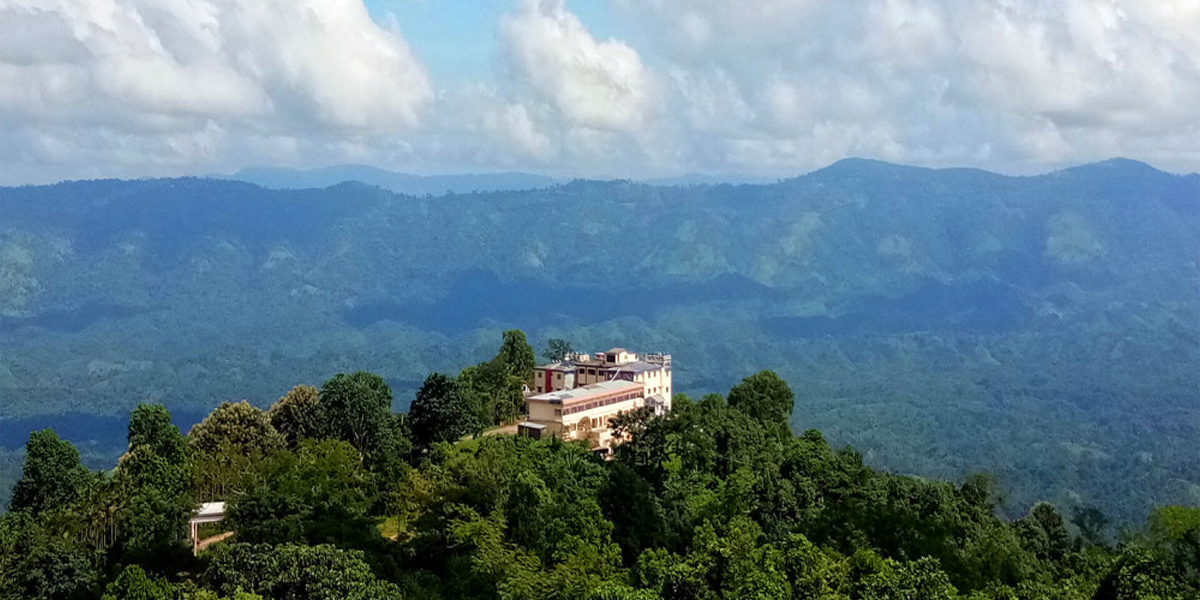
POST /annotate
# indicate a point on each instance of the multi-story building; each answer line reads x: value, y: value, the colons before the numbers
x: 577, y: 397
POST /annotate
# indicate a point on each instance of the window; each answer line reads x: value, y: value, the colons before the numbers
x: 558, y: 375
x: 558, y: 412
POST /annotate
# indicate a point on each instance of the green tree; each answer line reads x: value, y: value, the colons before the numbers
x: 39, y: 564
x: 237, y: 426
x: 441, y: 412
x: 1140, y: 575
x: 1092, y: 523
x: 317, y: 494
x: 517, y: 355
x: 157, y: 474
x: 297, y: 414
x: 557, y: 349
x: 296, y: 572
x: 1044, y: 533
x: 150, y: 428
x: 1175, y: 534
x: 52, y: 476
x: 355, y: 408
x: 494, y: 394
x: 226, y: 443
x: 763, y: 396
x: 134, y: 584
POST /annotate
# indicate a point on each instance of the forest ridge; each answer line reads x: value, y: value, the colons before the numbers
x: 331, y: 495
x: 1044, y: 329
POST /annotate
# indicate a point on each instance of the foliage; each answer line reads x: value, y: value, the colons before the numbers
x: 316, y: 494
x: 763, y: 396
x: 441, y: 412
x: 517, y: 355
x: 296, y: 415
x: 225, y: 445
x: 940, y: 321
x: 289, y: 571
x: 52, y: 476
x: 35, y: 564
x: 157, y: 476
x: 716, y: 500
x: 557, y: 349
x: 355, y: 408
x: 239, y: 426
x: 493, y: 393
x: 134, y: 584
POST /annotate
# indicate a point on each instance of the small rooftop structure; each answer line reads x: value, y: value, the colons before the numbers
x: 209, y: 512
x: 640, y: 366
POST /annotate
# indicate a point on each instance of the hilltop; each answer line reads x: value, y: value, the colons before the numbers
x: 1042, y: 328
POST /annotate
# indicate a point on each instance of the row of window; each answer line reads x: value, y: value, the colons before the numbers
x: 602, y: 402
x: 595, y: 422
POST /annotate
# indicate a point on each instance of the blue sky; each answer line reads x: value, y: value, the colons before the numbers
x: 594, y: 88
x: 456, y: 39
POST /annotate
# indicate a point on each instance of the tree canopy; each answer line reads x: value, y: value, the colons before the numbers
x: 716, y: 500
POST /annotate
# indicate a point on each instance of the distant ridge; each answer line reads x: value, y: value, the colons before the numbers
x: 867, y: 166
x: 402, y: 183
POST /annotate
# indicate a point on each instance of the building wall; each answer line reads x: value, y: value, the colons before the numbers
x: 656, y: 382
x: 568, y: 427
x: 556, y: 381
x: 598, y: 420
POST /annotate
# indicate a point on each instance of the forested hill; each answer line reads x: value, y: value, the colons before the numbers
x: 1045, y: 329
x: 329, y: 496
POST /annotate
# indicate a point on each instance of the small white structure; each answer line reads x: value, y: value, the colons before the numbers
x: 210, y: 512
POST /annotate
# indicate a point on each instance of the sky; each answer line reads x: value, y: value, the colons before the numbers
x: 592, y: 88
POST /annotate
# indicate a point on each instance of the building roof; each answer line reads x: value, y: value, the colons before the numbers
x: 558, y: 366
x: 588, y: 391
x: 211, y: 509
x: 616, y: 351
x: 640, y: 366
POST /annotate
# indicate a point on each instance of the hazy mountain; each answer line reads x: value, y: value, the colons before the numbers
x: 1043, y: 328
x: 401, y: 183
x: 710, y: 179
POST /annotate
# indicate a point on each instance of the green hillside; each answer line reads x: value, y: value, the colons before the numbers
x: 329, y: 495
x: 1045, y: 329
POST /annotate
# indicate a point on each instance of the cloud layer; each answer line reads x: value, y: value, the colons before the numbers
x: 86, y: 85
x: 147, y: 87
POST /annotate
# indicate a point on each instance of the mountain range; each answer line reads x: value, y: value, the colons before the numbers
x: 1044, y: 328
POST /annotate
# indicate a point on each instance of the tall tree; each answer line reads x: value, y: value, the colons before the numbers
x: 440, y: 412
x: 764, y: 396
x: 158, y: 473
x: 557, y: 349
x: 494, y: 394
x: 52, y: 476
x: 226, y: 443
x: 355, y: 408
x: 517, y: 355
x: 297, y: 414
x: 235, y: 427
x: 150, y: 426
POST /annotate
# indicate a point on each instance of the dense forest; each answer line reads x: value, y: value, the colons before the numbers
x: 1045, y: 329
x: 333, y: 496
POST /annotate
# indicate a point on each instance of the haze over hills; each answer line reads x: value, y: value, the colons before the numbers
x: 1043, y: 328
x: 401, y: 183
x: 421, y: 185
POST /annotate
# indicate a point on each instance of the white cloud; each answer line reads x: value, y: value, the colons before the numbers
x: 599, y: 85
x: 1010, y: 84
x: 112, y: 83
x: 774, y: 87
